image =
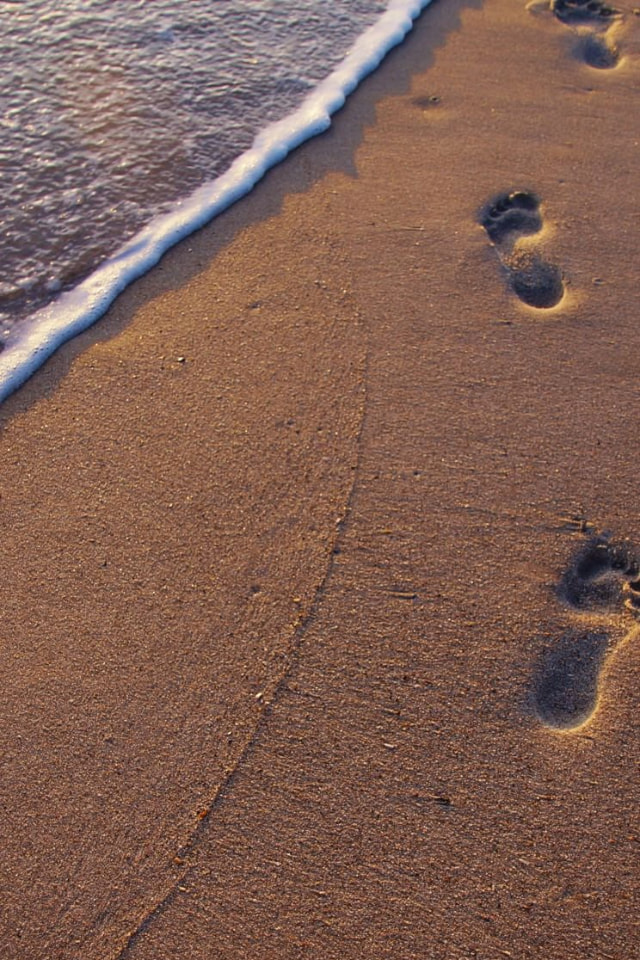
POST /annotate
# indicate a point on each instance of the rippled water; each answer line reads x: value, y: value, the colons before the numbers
x: 112, y: 111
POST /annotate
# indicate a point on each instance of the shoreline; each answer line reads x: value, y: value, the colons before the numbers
x: 31, y: 342
x: 284, y: 535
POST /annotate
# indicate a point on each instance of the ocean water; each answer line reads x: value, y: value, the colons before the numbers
x: 127, y: 125
x: 113, y: 111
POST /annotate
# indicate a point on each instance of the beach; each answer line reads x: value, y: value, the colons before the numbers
x: 294, y: 534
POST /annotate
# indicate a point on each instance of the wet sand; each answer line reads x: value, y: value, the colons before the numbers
x: 320, y: 548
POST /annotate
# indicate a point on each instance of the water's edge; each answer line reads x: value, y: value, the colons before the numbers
x: 33, y: 341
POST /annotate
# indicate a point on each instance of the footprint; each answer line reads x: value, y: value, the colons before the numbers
x: 566, y: 687
x: 593, y: 23
x: 602, y: 579
x: 507, y: 218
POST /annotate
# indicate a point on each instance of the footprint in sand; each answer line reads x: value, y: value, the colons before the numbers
x: 603, y: 579
x: 507, y: 218
x: 594, y: 24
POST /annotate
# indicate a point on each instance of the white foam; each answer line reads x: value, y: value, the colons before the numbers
x: 31, y: 342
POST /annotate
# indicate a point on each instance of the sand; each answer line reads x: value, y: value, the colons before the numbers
x: 317, y: 547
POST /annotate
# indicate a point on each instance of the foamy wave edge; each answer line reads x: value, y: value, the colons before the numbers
x: 37, y: 338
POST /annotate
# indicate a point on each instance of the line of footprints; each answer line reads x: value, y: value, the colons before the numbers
x: 601, y: 588
x: 603, y: 581
x: 511, y: 216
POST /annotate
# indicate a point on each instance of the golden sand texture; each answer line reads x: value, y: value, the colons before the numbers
x: 280, y: 616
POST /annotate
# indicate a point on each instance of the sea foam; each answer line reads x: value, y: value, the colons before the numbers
x: 31, y: 342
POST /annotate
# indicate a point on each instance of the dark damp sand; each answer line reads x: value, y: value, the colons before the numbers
x: 283, y: 535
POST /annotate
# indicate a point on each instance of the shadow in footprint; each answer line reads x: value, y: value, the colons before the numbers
x: 598, y: 52
x: 582, y: 12
x: 603, y: 576
x: 566, y: 686
x: 537, y: 283
x: 506, y: 218
x: 516, y: 212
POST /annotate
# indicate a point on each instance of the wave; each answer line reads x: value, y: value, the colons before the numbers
x: 33, y: 341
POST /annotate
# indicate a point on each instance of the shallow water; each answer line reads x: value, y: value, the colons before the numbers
x: 111, y: 112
